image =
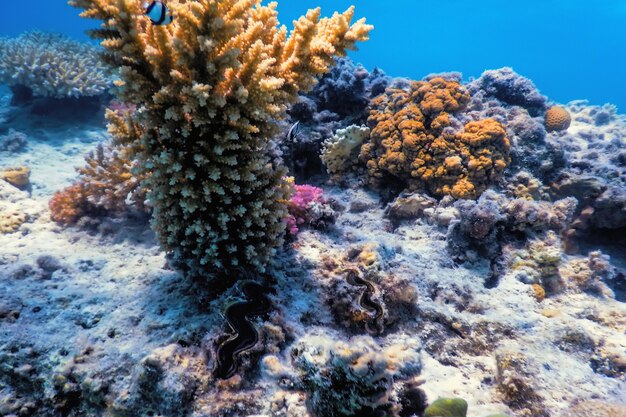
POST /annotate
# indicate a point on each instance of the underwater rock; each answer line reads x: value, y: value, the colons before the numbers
x: 595, y: 408
x: 163, y: 383
x: 409, y: 206
x: 515, y: 383
x: 507, y: 86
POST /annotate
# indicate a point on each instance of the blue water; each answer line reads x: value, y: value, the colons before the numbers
x: 571, y: 49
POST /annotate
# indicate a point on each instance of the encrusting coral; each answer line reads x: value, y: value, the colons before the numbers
x: 210, y: 89
x: 417, y: 139
x: 52, y: 65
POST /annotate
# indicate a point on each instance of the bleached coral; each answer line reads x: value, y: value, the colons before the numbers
x: 211, y: 88
x: 344, y: 378
x: 341, y: 151
x: 52, y: 65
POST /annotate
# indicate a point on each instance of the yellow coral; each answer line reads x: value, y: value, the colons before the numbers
x: 413, y: 139
x: 11, y: 218
x: 19, y: 176
x: 211, y: 88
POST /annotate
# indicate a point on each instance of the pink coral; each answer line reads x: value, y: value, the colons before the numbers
x: 301, y: 206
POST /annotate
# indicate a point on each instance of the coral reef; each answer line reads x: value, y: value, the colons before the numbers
x: 485, y: 226
x: 595, y: 172
x: 214, y: 120
x: 346, y: 378
x: 340, y: 152
x: 416, y: 139
x: 51, y: 65
x: 557, y: 119
x: 339, y: 100
x: 508, y: 87
x: 515, y: 102
x: 13, y: 142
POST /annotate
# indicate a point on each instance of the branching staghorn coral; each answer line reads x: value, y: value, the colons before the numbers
x: 416, y: 138
x: 210, y: 89
x: 52, y: 65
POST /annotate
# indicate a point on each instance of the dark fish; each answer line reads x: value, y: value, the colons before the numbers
x: 158, y: 13
x: 293, y: 132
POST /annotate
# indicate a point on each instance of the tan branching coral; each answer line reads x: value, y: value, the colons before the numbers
x: 413, y: 139
x: 107, y: 181
x: 210, y: 89
x: 52, y: 65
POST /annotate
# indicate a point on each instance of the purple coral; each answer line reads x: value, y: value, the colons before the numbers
x: 509, y: 87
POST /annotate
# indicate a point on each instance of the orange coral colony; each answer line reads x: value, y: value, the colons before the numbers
x: 413, y: 139
x: 557, y: 119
